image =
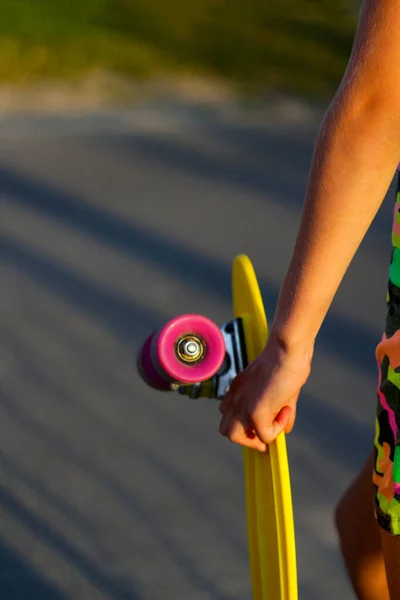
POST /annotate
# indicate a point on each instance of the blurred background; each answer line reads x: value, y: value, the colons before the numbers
x: 143, y: 145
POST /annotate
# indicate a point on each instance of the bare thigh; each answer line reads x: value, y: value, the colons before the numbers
x: 391, y: 553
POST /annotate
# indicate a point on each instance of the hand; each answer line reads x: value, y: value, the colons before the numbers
x: 261, y: 402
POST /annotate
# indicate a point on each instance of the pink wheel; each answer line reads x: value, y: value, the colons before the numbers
x: 146, y: 368
x: 189, y: 349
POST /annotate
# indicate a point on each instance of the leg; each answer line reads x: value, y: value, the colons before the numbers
x: 359, y: 537
x: 391, y: 552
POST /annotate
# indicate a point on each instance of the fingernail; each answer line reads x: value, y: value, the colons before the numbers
x: 250, y: 433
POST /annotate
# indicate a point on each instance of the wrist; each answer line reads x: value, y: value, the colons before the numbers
x: 292, y: 343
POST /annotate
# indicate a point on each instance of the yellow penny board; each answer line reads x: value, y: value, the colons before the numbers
x: 270, y: 522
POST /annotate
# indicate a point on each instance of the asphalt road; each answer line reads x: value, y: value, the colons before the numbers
x: 111, y: 224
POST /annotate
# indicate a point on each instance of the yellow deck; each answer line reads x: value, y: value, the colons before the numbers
x: 270, y: 523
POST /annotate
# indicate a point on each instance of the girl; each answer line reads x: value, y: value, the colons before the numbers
x: 356, y: 154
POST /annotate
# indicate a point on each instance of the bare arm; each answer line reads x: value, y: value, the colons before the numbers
x: 355, y: 157
x: 356, y: 154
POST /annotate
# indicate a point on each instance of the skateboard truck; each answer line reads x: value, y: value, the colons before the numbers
x: 235, y: 361
x: 194, y: 356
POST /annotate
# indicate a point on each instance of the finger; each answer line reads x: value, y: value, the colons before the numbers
x: 242, y: 432
x: 230, y: 398
x: 254, y: 444
x: 290, y: 424
x: 227, y: 401
x: 225, y: 423
x: 268, y: 433
x: 292, y: 416
x: 284, y: 415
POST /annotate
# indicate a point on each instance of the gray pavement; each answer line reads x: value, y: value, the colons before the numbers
x: 111, y: 224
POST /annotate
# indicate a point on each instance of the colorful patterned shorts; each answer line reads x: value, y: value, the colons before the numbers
x: 386, y: 476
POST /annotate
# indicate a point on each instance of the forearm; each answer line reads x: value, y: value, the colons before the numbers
x: 355, y: 157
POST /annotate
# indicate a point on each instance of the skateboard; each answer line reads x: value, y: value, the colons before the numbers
x: 193, y: 356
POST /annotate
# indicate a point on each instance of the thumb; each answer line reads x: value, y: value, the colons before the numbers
x: 290, y: 424
x: 268, y: 433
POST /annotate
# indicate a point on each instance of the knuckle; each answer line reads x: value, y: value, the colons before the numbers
x: 233, y: 436
x: 266, y: 437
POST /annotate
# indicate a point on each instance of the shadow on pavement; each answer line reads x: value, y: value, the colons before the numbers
x: 339, y: 332
x: 19, y: 581
x: 130, y: 322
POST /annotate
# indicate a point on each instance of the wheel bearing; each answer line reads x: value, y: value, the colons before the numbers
x: 190, y: 349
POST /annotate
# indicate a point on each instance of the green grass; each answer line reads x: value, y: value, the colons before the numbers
x: 291, y: 45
